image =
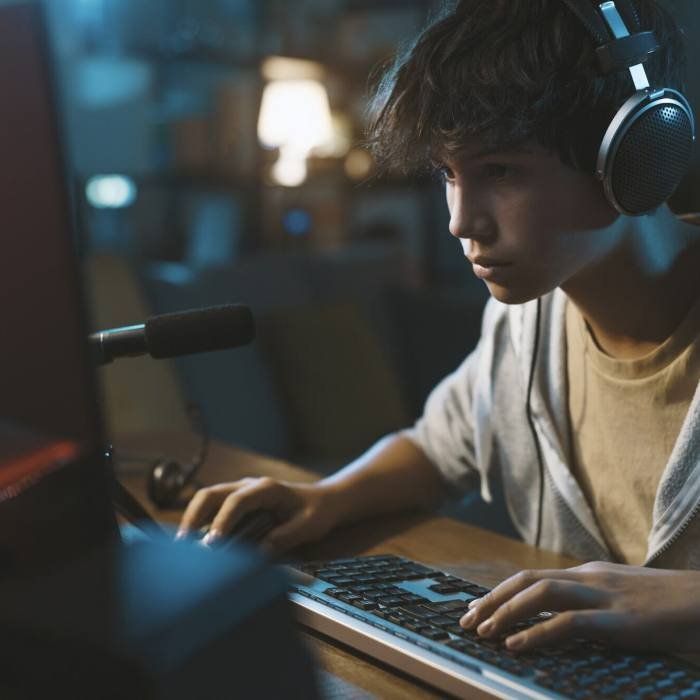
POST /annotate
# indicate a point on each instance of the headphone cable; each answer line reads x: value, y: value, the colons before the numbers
x: 531, y: 423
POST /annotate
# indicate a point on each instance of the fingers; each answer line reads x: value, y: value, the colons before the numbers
x: 483, y: 608
x: 226, y: 504
x: 202, y: 506
x: 581, y: 624
x: 261, y: 493
x: 544, y: 595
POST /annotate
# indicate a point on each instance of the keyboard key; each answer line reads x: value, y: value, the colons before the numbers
x: 655, y: 666
x: 458, y: 644
x: 441, y: 621
x: 399, y: 618
x: 492, y: 644
x: 385, y: 587
x: 390, y: 600
x: 434, y: 633
x: 417, y: 626
x: 444, y: 588
x: 334, y: 592
x: 411, y: 598
x: 414, y: 576
x: 343, y: 581
x: 447, y: 606
x: 477, y: 591
x: 323, y: 573
x: 418, y: 606
x: 512, y: 666
x: 348, y: 597
x: 544, y: 664
x: 455, y: 615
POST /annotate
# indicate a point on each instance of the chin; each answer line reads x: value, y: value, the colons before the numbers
x: 513, y: 295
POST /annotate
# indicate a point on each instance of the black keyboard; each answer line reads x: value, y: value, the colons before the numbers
x: 421, y: 607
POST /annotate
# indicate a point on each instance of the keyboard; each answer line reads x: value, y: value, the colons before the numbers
x: 406, y: 614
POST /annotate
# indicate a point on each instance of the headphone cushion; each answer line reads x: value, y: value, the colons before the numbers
x: 651, y: 158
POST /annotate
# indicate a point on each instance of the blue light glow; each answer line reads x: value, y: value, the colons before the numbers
x: 297, y: 222
x: 110, y: 191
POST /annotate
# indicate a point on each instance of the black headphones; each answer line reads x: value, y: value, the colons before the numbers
x: 646, y: 149
x: 167, y: 477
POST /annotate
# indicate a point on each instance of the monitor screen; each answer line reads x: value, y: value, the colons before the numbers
x: 51, y: 473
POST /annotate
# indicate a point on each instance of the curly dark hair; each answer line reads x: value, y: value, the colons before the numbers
x: 503, y: 72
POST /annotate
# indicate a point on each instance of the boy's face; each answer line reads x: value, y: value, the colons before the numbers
x: 527, y: 222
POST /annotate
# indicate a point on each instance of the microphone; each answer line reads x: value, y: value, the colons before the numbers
x: 177, y: 334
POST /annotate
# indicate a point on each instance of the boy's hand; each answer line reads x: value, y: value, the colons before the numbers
x: 628, y: 606
x: 303, y: 511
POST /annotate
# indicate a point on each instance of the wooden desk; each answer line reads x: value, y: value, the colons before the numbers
x: 467, y: 551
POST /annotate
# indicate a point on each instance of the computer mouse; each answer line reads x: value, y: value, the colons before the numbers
x: 251, y: 528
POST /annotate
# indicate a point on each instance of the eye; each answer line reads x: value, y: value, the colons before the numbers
x: 498, y: 171
x: 446, y: 174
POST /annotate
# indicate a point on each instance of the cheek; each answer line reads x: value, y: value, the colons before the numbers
x: 577, y: 202
x: 568, y: 218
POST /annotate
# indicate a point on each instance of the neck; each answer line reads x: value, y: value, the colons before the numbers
x: 635, y: 296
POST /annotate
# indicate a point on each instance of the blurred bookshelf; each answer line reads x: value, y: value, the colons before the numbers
x: 167, y: 93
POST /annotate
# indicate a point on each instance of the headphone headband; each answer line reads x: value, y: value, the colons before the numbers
x: 588, y: 13
x: 590, y: 19
x: 645, y: 150
x: 616, y: 32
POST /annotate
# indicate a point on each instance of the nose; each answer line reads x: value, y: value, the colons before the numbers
x: 469, y: 217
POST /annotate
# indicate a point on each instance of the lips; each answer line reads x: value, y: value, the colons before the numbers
x: 487, y: 262
x: 489, y: 268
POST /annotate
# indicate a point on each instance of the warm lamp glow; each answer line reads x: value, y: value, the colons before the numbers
x: 289, y: 169
x: 295, y: 117
x: 285, y: 68
x: 358, y: 164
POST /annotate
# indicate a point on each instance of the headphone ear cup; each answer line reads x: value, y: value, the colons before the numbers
x: 165, y: 482
x: 646, y: 152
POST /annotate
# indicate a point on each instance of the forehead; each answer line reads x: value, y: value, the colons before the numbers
x: 475, y: 151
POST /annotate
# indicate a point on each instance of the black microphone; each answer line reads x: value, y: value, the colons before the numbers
x: 176, y: 334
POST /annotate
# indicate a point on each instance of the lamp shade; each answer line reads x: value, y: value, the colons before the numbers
x: 295, y: 114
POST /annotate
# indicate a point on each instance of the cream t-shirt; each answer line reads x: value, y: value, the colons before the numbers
x: 625, y: 416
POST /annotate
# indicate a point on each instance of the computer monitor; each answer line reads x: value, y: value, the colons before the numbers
x: 55, y: 488
x: 98, y: 621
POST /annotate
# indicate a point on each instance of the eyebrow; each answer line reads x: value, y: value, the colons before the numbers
x: 500, y: 150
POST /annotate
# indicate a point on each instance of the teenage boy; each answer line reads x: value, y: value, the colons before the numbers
x: 582, y: 392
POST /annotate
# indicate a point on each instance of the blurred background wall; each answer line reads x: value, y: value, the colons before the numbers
x: 215, y: 150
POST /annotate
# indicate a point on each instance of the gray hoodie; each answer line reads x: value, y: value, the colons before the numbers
x: 475, y: 423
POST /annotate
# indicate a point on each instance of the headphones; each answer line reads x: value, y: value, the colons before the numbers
x: 646, y: 149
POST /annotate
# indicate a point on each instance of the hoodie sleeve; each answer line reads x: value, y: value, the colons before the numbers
x: 448, y: 430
